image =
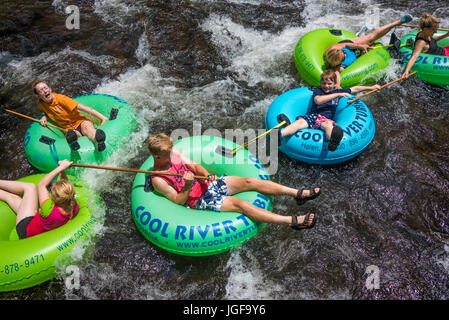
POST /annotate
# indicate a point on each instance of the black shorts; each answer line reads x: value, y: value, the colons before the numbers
x: 79, y: 129
x: 21, y: 227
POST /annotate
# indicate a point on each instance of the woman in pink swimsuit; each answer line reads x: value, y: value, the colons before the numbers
x: 53, y: 212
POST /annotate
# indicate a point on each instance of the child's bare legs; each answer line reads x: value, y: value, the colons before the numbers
x: 301, y: 123
x: 94, y: 135
x: 334, y: 133
x: 295, y: 126
x: 327, y: 127
x: 237, y: 184
x: 88, y: 129
x: 258, y: 214
x: 25, y: 206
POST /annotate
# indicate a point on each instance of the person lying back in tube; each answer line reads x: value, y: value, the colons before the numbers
x: 37, y: 211
x: 215, y: 193
x: 66, y: 113
x: 324, y: 106
x: 341, y: 55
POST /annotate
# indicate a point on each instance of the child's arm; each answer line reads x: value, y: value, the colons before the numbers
x: 63, y: 176
x: 43, y: 121
x: 337, y: 72
x: 92, y: 112
x: 442, y: 36
x: 167, y: 191
x: 42, y: 186
x: 354, y: 46
x: 364, y: 88
x: 328, y: 97
x: 196, y: 168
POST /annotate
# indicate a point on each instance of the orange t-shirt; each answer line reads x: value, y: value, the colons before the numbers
x: 62, y: 111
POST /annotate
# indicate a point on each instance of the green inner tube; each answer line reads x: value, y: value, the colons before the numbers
x: 191, y: 232
x: 44, y: 146
x: 431, y: 68
x: 309, y: 59
x: 31, y: 261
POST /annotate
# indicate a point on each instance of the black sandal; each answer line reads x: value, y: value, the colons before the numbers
x: 313, y: 194
x: 305, y: 224
x: 100, y: 137
x: 336, y: 136
x: 72, y: 139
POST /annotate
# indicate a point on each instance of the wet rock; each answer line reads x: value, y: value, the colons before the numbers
x: 175, y: 36
x: 29, y: 28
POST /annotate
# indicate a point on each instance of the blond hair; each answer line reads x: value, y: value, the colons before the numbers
x: 63, y: 195
x: 329, y: 75
x: 36, y: 82
x: 333, y: 58
x: 159, y: 144
x: 428, y: 21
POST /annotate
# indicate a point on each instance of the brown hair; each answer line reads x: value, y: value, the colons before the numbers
x: 160, y: 144
x: 329, y: 75
x: 428, y: 21
x: 63, y: 195
x: 333, y: 58
x: 36, y: 82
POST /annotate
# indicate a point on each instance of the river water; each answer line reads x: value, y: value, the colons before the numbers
x: 221, y: 64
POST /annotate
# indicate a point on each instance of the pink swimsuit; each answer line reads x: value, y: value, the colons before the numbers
x: 54, y: 220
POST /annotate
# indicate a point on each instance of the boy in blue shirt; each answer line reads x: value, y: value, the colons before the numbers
x: 325, y: 102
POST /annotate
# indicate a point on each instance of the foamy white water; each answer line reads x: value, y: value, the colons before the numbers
x: 257, y: 66
x: 259, y: 58
x: 246, y: 280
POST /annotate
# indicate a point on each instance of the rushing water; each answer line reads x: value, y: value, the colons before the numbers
x: 222, y: 63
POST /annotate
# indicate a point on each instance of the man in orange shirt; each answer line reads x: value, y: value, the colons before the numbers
x: 66, y: 113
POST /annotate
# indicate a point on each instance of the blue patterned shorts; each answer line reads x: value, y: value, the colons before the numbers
x: 314, y: 120
x: 213, y: 198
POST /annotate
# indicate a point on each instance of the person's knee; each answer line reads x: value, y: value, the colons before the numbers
x: 301, y: 123
x: 327, y: 124
x: 29, y: 187
x: 235, y: 204
x: 88, y: 129
x: 250, y: 183
x: 86, y: 125
x: 295, y: 126
x: 239, y: 184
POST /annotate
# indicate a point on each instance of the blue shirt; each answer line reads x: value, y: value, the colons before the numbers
x: 326, y: 109
x: 350, y: 58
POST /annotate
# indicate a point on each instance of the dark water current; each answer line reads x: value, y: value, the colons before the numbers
x: 222, y: 63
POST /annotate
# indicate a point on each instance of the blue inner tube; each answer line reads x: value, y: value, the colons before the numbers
x: 310, y: 145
